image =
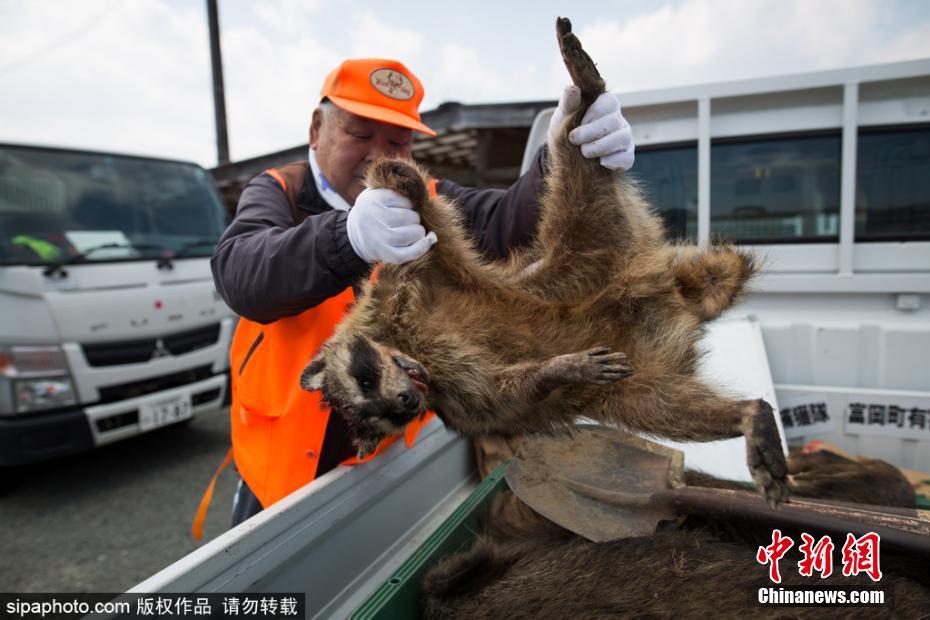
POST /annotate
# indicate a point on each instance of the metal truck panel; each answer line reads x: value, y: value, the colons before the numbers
x: 337, y: 537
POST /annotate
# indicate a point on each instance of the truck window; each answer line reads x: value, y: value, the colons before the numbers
x: 668, y: 177
x: 893, y: 185
x: 56, y: 203
x: 776, y: 190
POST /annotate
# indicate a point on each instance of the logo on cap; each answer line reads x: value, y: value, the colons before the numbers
x: 392, y: 84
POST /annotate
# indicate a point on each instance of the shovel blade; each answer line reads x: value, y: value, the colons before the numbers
x: 600, y: 483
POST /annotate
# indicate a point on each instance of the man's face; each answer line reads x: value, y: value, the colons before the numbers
x: 346, y: 144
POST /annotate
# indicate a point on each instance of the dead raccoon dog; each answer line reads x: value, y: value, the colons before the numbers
x: 525, y: 566
x: 827, y: 475
x: 599, y: 317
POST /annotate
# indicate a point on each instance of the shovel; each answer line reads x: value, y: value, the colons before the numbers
x: 605, y: 484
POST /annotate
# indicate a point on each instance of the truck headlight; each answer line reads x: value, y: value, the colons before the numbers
x: 34, y: 378
x: 38, y: 394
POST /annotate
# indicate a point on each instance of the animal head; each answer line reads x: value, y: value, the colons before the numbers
x: 376, y: 388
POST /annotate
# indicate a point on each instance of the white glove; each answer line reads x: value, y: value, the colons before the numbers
x: 383, y: 227
x: 603, y: 132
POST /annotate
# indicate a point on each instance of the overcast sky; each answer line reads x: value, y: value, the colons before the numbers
x: 134, y: 75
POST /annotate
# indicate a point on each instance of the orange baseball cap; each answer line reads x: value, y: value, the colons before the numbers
x: 379, y: 89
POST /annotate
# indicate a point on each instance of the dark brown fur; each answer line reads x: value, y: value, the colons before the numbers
x: 600, y: 317
x: 864, y: 481
x: 524, y: 566
x: 826, y: 475
x: 491, y: 451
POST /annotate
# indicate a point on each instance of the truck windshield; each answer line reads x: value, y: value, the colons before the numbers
x: 58, y: 204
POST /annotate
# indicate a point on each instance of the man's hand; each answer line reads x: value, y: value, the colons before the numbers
x: 603, y: 132
x: 383, y: 227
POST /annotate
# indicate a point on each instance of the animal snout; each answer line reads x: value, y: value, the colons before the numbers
x: 409, y: 399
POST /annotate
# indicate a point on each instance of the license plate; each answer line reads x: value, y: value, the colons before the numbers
x: 164, y: 411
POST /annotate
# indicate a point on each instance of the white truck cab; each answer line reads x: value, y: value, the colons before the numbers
x: 112, y: 326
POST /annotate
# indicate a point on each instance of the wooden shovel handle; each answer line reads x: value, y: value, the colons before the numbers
x: 908, y: 533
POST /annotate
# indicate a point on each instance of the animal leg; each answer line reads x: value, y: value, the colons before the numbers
x: 466, y: 574
x: 453, y: 256
x: 401, y: 177
x: 764, y: 452
x: 580, y: 67
x: 680, y: 408
x: 534, y: 381
x: 713, y: 280
x: 589, y: 220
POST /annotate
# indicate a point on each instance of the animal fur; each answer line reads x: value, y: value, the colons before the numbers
x: 491, y: 451
x: 863, y: 481
x: 826, y: 475
x: 525, y: 566
x: 599, y: 317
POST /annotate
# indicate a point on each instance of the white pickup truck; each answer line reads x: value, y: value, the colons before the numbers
x: 112, y: 326
x: 826, y: 175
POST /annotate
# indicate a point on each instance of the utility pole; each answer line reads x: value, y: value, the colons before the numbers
x: 219, y: 97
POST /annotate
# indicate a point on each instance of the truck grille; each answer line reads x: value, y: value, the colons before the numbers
x: 134, y: 389
x: 139, y: 351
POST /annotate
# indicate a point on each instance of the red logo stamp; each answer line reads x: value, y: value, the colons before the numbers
x: 859, y: 555
x: 773, y: 553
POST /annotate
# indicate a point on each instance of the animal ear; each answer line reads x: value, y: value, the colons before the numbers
x: 312, y: 377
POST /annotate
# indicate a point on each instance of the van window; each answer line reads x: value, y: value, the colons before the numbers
x: 893, y: 185
x: 57, y: 203
x: 776, y: 190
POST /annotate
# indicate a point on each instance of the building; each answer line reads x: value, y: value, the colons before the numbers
x: 476, y: 145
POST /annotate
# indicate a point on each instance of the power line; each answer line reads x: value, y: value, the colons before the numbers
x: 66, y: 38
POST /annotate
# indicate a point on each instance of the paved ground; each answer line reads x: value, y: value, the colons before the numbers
x: 105, y: 520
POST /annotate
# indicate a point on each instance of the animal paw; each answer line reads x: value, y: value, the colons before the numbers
x: 596, y: 366
x: 580, y: 67
x: 367, y: 445
x: 398, y: 176
x: 764, y: 453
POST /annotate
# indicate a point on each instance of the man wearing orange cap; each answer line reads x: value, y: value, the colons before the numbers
x: 306, y: 234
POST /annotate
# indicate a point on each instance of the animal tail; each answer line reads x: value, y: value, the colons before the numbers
x: 712, y: 280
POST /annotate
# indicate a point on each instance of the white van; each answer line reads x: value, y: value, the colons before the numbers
x: 111, y: 324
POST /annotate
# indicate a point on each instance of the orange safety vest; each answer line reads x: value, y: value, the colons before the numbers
x: 278, y: 427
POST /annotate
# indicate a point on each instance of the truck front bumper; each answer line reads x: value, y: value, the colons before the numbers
x: 42, y: 436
